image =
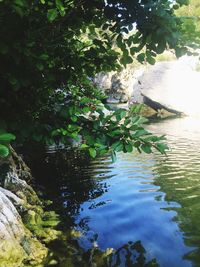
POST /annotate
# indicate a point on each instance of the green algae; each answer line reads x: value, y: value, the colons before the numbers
x: 42, y: 224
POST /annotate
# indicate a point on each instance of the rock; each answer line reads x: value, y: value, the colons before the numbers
x: 160, y: 107
x: 9, y: 219
x: 16, y: 241
x: 20, y: 187
x: 23, y: 222
x: 163, y: 114
x: 118, y: 86
x: 112, y: 100
x: 148, y: 112
x: 170, y: 85
x: 13, y: 233
x: 103, y: 80
x: 12, y: 197
x: 124, y: 98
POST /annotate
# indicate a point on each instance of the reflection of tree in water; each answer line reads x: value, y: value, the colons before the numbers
x: 66, y: 178
x: 129, y: 255
x: 180, y: 181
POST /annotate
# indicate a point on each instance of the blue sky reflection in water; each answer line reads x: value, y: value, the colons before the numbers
x: 134, y: 209
x: 152, y: 200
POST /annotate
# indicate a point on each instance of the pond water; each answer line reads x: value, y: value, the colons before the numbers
x: 145, y: 207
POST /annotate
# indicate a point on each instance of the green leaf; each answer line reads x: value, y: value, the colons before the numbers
x: 127, y: 121
x: 86, y: 109
x: 72, y: 127
x: 74, y: 118
x: 60, y: 7
x: 83, y: 146
x: 20, y: 3
x: 44, y: 56
x: 141, y: 120
x: 141, y: 57
x: 4, y: 151
x: 140, y: 133
x: 128, y: 59
x: 52, y: 14
x: 99, y: 145
x: 136, y: 109
x: 120, y: 114
x: 161, y: 47
x: 151, y: 60
x: 129, y: 147
x: 40, y: 66
x: 146, y: 148
x: 92, y: 152
x: 132, y: 51
x: 117, y: 146
x: 135, y: 119
x: 85, y: 100
x: 176, y: 6
x: 162, y: 147
x: 113, y: 156
x: 7, y: 137
x: 59, y: 4
x: 115, y: 133
x: 154, y: 138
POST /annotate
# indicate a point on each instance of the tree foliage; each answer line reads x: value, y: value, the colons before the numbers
x: 49, y: 52
x: 190, y: 16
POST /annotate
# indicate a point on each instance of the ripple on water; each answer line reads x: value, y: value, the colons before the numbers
x: 146, y: 201
x: 151, y: 198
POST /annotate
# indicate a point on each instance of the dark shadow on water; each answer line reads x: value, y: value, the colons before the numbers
x: 132, y: 254
x: 67, y: 178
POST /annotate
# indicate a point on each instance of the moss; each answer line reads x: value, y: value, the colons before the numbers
x: 11, y: 254
x: 75, y: 234
x: 42, y: 224
x: 147, y: 111
x: 35, y: 250
x: 163, y: 114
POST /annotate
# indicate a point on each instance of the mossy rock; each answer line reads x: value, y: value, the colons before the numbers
x: 27, y: 246
x: 147, y: 111
x: 35, y: 250
x: 11, y: 254
x: 163, y: 114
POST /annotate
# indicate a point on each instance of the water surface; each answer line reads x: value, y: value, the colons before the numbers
x: 145, y: 207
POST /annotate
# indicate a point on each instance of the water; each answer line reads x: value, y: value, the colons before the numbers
x: 145, y: 207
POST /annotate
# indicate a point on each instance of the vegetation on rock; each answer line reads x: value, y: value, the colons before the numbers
x: 25, y: 227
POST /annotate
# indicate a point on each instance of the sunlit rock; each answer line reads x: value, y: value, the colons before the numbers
x: 174, y: 85
x: 118, y: 86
